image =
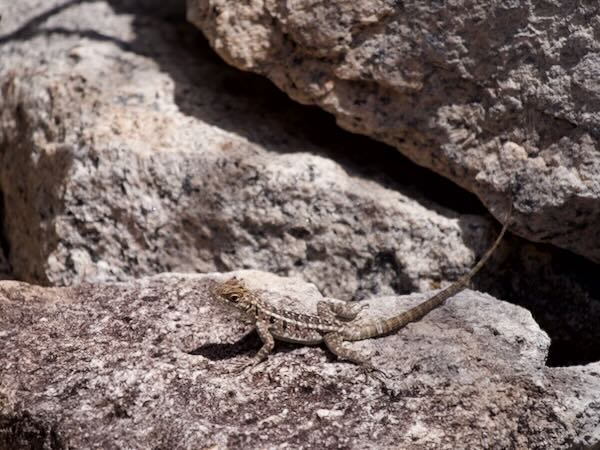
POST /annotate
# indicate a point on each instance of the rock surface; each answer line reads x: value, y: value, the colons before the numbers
x: 121, y: 157
x: 147, y: 364
x: 127, y: 149
x: 501, y: 97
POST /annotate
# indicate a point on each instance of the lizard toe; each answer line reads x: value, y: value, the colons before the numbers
x: 370, y: 370
x: 245, y: 365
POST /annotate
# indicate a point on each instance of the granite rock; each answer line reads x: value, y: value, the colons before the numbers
x: 121, y: 157
x: 148, y: 363
x: 127, y: 149
x: 501, y: 97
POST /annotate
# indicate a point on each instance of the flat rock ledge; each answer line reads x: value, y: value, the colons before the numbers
x: 148, y: 364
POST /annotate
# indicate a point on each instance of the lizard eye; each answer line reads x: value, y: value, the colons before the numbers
x: 234, y: 297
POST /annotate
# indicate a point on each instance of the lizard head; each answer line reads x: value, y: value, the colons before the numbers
x: 233, y: 292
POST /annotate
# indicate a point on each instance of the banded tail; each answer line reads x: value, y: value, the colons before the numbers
x: 385, y: 326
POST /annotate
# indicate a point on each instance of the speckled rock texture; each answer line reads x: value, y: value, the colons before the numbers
x: 121, y: 157
x: 148, y: 363
x: 501, y: 97
x: 127, y: 148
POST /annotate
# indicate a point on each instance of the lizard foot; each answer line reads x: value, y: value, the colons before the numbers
x: 370, y: 370
x: 244, y: 365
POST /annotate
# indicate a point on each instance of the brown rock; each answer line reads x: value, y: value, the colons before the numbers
x: 147, y: 364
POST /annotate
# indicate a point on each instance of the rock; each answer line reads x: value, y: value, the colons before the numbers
x: 147, y: 364
x: 126, y: 149
x: 500, y: 97
x: 123, y: 157
x: 561, y: 290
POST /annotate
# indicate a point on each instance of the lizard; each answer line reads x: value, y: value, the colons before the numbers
x: 334, y: 323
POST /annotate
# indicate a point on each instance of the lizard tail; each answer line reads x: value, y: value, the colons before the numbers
x: 385, y: 326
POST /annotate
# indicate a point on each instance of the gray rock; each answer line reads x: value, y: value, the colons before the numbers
x: 123, y: 157
x: 148, y: 364
x: 501, y: 97
x: 126, y: 149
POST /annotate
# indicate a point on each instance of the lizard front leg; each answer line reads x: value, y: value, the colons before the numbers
x: 262, y: 327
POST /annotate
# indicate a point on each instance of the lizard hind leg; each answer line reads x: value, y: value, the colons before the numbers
x: 335, y: 344
x: 338, y: 310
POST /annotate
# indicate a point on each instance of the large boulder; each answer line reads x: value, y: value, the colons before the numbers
x: 501, y: 97
x: 121, y: 157
x: 150, y: 364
